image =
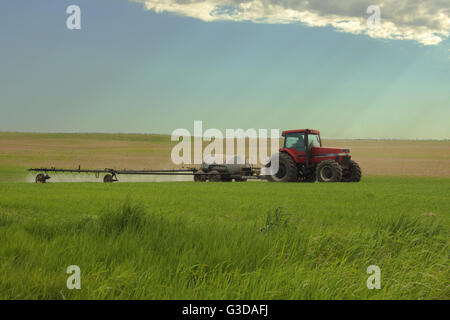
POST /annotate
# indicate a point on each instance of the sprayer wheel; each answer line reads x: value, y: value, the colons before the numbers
x: 40, y: 178
x: 200, y: 176
x: 214, y: 176
x: 108, y: 178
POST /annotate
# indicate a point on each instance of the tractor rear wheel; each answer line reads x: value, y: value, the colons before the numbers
x: 287, y: 170
x: 353, y: 173
x: 214, y: 176
x: 329, y: 171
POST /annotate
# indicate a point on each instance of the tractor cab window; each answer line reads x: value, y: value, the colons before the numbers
x: 295, y: 140
x: 314, y: 140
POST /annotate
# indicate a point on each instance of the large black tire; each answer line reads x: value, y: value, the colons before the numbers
x: 287, y: 170
x: 353, y: 173
x: 214, y: 176
x: 329, y: 171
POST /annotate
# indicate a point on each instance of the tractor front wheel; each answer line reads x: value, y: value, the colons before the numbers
x: 329, y: 171
x: 352, y: 173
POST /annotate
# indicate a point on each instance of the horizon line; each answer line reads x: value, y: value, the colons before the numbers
x: 168, y: 134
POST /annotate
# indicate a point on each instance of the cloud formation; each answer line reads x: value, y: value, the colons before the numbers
x: 426, y: 22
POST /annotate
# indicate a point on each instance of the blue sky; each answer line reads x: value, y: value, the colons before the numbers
x: 132, y: 69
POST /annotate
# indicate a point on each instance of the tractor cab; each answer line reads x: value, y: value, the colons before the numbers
x: 299, y: 139
x: 302, y: 144
x: 305, y: 147
x: 303, y: 158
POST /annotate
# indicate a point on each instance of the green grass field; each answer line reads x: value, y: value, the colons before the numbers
x: 252, y: 240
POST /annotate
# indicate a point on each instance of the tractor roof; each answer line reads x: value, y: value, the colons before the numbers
x: 301, y: 130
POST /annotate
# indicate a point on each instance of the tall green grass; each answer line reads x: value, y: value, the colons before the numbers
x: 225, y: 241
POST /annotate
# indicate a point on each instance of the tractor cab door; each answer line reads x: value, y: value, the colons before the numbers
x: 295, y: 144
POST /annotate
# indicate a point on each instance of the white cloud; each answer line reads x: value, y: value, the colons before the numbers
x: 426, y: 22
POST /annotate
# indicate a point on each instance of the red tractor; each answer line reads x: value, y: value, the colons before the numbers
x: 303, y: 159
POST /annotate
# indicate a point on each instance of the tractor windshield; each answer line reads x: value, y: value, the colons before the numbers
x: 295, y: 140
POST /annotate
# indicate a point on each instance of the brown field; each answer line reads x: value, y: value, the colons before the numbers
x: 399, y: 157
x: 19, y: 151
